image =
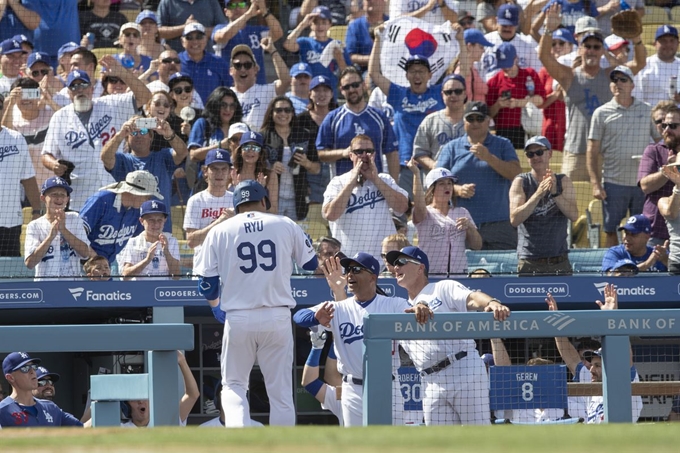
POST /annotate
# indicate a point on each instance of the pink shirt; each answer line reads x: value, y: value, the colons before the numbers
x: 439, y: 238
x: 475, y: 86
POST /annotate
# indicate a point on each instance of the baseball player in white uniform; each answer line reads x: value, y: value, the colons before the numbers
x: 456, y: 385
x: 591, y: 408
x: 78, y: 131
x: 250, y: 255
x: 345, y: 318
x: 212, y: 206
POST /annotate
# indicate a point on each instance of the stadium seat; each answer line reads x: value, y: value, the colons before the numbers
x: 177, y: 213
x: 506, y: 260
x: 584, y: 193
x: 14, y: 267
x: 648, y: 34
x: 595, y: 217
x: 27, y: 214
x: 130, y: 13
x: 186, y: 258
x: 675, y: 15
x: 99, y: 53
x: 655, y: 15
x: 338, y: 32
x: 586, y: 260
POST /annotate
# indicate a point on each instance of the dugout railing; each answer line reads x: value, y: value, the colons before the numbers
x: 615, y: 328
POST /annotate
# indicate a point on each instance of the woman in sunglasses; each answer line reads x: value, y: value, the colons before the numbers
x: 129, y: 39
x: 222, y: 109
x: 292, y: 154
x: 113, y: 85
x: 444, y: 229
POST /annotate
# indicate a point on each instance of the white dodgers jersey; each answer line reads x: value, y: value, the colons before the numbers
x: 446, y: 296
x: 251, y: 253
x: 347, y: 326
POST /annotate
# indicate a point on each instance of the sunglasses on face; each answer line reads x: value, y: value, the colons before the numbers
x: 131, y: 34
x: 362, y: 151
x: 187, y: 89
x: 161, y: 104
x: 39, y: 72
x: 115, y: 80
x: 27, y: 368
x: 170, y: 60
x: 253, y: 148
x: 657, y: 122
x: 456, y: 91
x: 143, y: 131
x: 235, y: 5
x: 283, y: 110
x: 248, y: 65
x: 671, y: 126
x: 354, y: 85
x: 44, y: 382
x: 80, y: 86
x: 538, y: 152
x: 196, y: 37
x: 353, y: 270
x: 619, y: 79
x: 475, y: 119
x: 227, y: 106
x: 404, y: 261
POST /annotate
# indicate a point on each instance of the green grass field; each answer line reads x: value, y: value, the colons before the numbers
x: 643, y: 438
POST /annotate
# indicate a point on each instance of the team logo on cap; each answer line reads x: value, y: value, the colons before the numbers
x: 508, y: 14
x: 76, y: 74
x: 24, y: 355
x: 59, y: 181
x: 218, y: 154
x: 666, y: 29
x: 502, y: 56
x: 475, y: 107
x: 154, y: 205
x: 16, y: 44
x: 322, y: 79
x: 38, y: 57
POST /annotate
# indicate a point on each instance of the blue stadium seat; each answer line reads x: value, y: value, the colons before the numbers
x: 506, y: 260
x: 586, y: 260
x: 14, y: 268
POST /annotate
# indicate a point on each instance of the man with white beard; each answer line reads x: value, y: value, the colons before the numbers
x: 78, y: 131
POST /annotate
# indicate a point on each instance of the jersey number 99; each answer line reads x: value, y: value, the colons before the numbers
x: 265, y: 253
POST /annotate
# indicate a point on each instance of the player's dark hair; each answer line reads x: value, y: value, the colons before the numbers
x: 88, y: 56
x: 211, y: 112
x: 268, y: 122
x: 349, y: 70
x: 25, y: 82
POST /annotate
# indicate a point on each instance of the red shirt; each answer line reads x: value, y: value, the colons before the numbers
x: 508, y: 117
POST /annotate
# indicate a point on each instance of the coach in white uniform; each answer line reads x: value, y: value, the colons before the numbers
x: 78, y: 131
x: 250, y: 255
x: 453, y: 374
x: 345, y: 318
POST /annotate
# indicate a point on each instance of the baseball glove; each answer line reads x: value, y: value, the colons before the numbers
x: 627, y: 24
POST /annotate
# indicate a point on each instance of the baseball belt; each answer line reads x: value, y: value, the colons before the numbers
x: 443, y: 364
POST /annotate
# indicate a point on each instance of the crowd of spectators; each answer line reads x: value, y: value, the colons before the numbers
x: 121, y: 111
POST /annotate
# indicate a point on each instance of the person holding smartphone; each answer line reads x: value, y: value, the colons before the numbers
x: 292, y: 154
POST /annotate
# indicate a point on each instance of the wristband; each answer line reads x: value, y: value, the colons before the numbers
x: 676, y: 191
x: 275, y: 51
x: 172, y: 137
x: 638, y: 43
x: 495, y: 300
x: 267, y: 14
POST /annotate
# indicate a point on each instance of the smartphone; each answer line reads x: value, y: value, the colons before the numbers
x: 506, y: 94
x: 298, y: 150
x: 30, y: 93
x: 146, y: 123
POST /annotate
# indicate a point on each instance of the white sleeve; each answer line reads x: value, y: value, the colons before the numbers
x: 392, y: 183
x: 191, y: 215
x: 332, y: 191
x: 456, y: 296
x: 303, y: 251
x: 125, y: 255
x: 173, y: 246
x: 32, y: 240
x: 27, y: 170
x: 206, y: 259
x: 51, y: 145
x: 77, y: 228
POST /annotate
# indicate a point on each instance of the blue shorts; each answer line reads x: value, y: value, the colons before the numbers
x: 622, y: 202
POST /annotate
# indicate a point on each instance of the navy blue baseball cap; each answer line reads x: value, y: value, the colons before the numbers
x: 16, y: 360
x: 251, y: 137
x: 153, y: 207
x: 23, y: 39
x: 456, y: 77
x: 592, y: 34
x: 637, y: 224
x: 55, y: 181
x: 588, y: 355
x: 417, y: 59
x: 250, y: 190
x: 365, y: 260
x: 624, y: 264
x: 506, y: 54
x: 508, y: 14
x: 563, y: 34
x: 68, y: 48
x: 217, y: 155
x: 37, y: 57
x: 44, y: 373
x: 9, y: 46
x: 77, y: 75
x: 474, y: 36
x: 146, y: 14
x: 323, y: 11
x: 412, y: 252
x: 538, y: 140
x: 664, y: 30
x: 300, y: 68
x: 179, y: 77
x: 488, y: 360
x: 320, y: 80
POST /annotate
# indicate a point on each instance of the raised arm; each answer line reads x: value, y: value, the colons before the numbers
x: 114, y: 68
x: 567, y: 350
x: 379, y: 80
x: 561, y: 73
x: 108, y: 152
x: 640, y: 56
x: 420, y: 207
x: 282, y: 73
x: 669, y: 207
x: 290, y: 44
x: 191, y: 392
x: 500, y: 353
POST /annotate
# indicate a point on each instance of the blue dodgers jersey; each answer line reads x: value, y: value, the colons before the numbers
x: 44, y: 414
x: 341, y: 125
x: 250, y: 35
x: 310, y: 53
x: 208, y: 74
x: 410, y: 109
x: 491, y: 188
x: 108, y: 229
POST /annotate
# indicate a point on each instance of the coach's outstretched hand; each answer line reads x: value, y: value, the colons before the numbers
x: 325, y: 314
x: 422, y: 311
